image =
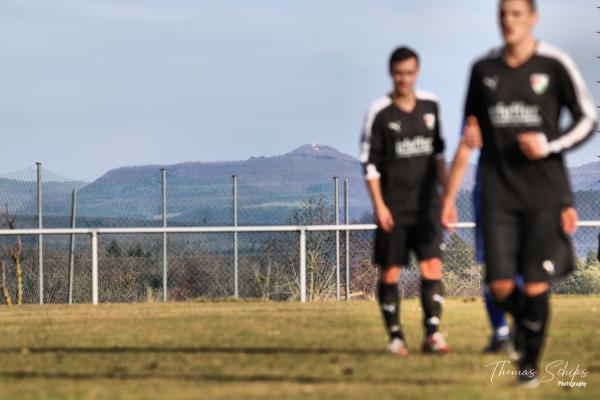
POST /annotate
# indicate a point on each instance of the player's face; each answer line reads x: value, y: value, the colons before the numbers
x: 404, y: 74
x: 517, y: 20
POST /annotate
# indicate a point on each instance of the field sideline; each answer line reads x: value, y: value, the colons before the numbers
x: 251, y: 350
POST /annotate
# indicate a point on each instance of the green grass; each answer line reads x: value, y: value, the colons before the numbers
x: 251, y: 350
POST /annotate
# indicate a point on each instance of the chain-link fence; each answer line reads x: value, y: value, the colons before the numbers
x: 203, y: 265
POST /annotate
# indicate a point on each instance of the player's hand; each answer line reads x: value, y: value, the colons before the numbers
x: 384, y: 218
x: 449, y: 214
x: 533, y: 144
x: 568, y: 220
x: 472, y: 133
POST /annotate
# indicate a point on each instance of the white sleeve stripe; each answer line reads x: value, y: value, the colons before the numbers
x: 379, y: 105
x: 492, y: 53
x: 439, y: 123
x: 577, y: 134
x: 425, y: 95
x: 585, y: 125
x: 372, y: 172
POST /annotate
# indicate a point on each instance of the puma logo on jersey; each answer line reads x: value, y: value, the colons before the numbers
x: 539, y: 83
x: 491, y: 82
x: 396, y: 126
x: 417, y: 146
x: 515, y: 114
x: 429, y: 120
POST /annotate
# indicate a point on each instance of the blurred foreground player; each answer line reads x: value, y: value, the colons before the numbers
x: 516, y: 94
x: 500, y: 340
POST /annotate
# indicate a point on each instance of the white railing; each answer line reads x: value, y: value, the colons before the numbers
x: 301, y: 229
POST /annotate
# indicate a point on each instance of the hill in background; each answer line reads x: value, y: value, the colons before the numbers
x: 200, y: 193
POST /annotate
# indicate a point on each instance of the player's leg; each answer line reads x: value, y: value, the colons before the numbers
x: 426, y: 238
x: 388, y: 296
x: 534, y: 323
x: 432, y: 296
x: 390, y: 253
x: 547, y: 254
x: 502, y: 240
x: 432, y: 300
x: 500, y: 339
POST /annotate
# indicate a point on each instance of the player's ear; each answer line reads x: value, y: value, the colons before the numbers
x: 535, y: 17
x: 418, y: 67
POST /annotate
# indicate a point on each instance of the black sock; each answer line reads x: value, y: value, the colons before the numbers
x: 534, y: 322
x: 389, y: 301
x: 432, y: 297
x: 513, y: 303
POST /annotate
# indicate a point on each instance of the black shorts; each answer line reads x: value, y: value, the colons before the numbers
x: 423, y: 236
x: 527, y: 243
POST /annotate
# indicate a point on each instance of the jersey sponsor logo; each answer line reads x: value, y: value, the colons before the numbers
x: 429, y: 120
x: 396, y: 126
x: 417, y: 146
x: 539, y: 82
x: 491, y: 82
x: 516, y: 113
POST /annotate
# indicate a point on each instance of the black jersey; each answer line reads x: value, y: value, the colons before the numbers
x: 508, y: 101
x: 400, y: 149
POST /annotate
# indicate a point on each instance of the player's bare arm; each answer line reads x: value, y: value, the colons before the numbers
x: 568, y: 220
x: 471, y: 139
x: 383, y: 215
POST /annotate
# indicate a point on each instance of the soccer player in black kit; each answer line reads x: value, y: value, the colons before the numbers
x: 402, y: 156
x: 515, y: 97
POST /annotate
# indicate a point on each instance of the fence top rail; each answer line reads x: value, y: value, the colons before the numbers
x: 221, y: 229
x: 186, y: 229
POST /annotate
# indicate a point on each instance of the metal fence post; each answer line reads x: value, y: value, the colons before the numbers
x: 94, y: 267
x: 40, y: 237
x: 302, y: 266
x: 72, y: 247
x: 336, y: 181
x: 236, y: 292
x: 347, y: 221
x: 163, y: 172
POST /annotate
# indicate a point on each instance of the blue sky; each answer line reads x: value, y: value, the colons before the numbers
x: 91, y: 85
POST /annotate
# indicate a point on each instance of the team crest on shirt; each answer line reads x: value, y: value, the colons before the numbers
x: 429, y: 120
x: 396, y: 126
x: 539, y: 82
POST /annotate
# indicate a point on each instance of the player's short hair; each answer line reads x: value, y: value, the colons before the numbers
x: 532, y: 4
x: 401, y: 54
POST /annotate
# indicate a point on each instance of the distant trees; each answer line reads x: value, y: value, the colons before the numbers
x: 283, y: 256
x: 113, y: 250
x: 201, y: 265
x: 15, y: 253
x: 591, y: 259
x: 320, y: 248
x: 585, y: 279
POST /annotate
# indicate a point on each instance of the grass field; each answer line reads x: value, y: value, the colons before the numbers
x: 251, y: 350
